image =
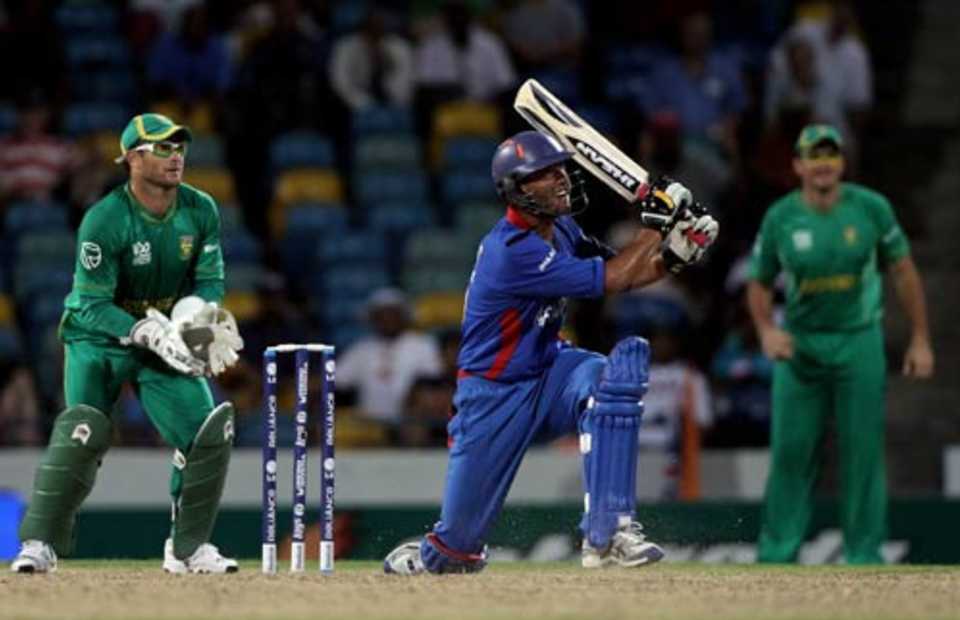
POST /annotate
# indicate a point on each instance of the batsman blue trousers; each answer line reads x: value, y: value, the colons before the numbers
x: 494, y: 425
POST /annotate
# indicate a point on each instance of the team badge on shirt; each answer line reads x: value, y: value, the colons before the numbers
x: 90, y: 255
x: 850, y: 235
x: 141, y: 253
x: 186, y: 246
x: 802, y: 240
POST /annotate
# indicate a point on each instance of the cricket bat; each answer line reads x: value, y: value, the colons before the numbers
x: 597, y: 155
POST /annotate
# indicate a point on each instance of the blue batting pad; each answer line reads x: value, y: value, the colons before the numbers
x: 12, y: 508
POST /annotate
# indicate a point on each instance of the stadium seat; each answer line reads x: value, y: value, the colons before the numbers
x: 338, y: 309
x: 244, y: 277
x: 308, y: 184
x: 84, y: 118
x: 438, y: 278
x: 7, y: 313
x: 641, y: 313
x: 382, y: 120
x: 400, y: 217
x: 462, y: 118
x: 231, y: 218
x: 301, y: 149
x: 245, y: 305
x: 29, y: 216
x: 33, y: 280
x: 314, y: 219
x: 437, y: 246
x: 48, y: 248
x: 367, y: 247
x: 198, y: 115
x: 564, y: 83
x: 106, y: 145
x: 240, y: 247
x: 387, y: 151
x: 206, y: 151
x: 218, y: 182
x: 10, y: 348
x: 439, y: 309
x: 114, y: 84
x: 469, y: 152
x: 79, y: 17
x: 474, y: 220
x: 379, y: 186
x: 467, y: 186
x: 97, y: 50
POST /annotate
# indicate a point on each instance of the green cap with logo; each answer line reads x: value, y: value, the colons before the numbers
x: 812, y: 135
x: 151, y: 128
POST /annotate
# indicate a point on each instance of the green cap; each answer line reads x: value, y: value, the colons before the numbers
x: 812, y: 135
x: 151, y: 128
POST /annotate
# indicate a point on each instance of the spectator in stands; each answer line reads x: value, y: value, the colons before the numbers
x: 701, y: 85
x: 464, y: 57
x: 828, y: 64
x: 191, y: 64
x: 34, y: 161
x: 382, y: 367
x: 372, y: 66
x: 544, y: 34
x: 20, y: 423
x: 742, y: 375
x: 677, y: 409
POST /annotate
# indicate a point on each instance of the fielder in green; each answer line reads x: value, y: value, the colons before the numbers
x: 831, y: 240
x: 149, y: 249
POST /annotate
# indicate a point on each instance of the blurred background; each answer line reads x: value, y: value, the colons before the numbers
x: 348, y: 146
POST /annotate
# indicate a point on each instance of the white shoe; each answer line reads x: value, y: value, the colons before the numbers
x: 628, y: 547
x: 206, y: 559
x: 35, y: 557
x: 404, y: 560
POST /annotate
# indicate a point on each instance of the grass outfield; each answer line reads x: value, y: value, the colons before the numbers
x: 108, y: 590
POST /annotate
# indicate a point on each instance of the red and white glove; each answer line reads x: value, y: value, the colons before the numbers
x: 689, y: 239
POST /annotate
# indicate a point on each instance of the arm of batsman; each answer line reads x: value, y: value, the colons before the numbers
x: 209, y: 331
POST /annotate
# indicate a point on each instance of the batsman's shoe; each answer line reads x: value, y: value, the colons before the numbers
x: 35, y: 557
x: 628, y: 547
x: 405, y: 560
x: 205, y: 560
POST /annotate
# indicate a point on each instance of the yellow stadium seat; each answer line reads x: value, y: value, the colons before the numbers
x: 198, y: 116
x: 106, y: 144
x: 439, y: 309
x: 462, y: 118
x: 6, y: 311
x: 244, y: 305
x: 303, y: 185
x: 218, y: 182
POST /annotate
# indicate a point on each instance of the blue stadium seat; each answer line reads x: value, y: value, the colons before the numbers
x: 641, y: 313
x: 632, y: 89
x: 240, y: 247
x: 97, y: 50
x: 29, y: 216
x: 114, y: 84
x: 231, y: 218
x: 382, y: 119
x: 399, y: 150
x: 247, y: 277
x: 83, y: 118
x: 350, y: 281
x: 633, y: 59
x: 469, y: 152
x: 31, y: 281
x: 352, y: 247
x: 468, y: 186
x: 46, y: 248
x: 375, y: 187
x: 344, y: 335
x: 10, y: 346
x: 401, y: 217
x: 301, y: 149
x: 75, y: 17
x: 338, y: 308
x: 8, y: 117
x: 314, y: 219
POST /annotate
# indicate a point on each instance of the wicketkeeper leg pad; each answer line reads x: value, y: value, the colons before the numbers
x: 608, y: 441
x: 201, y: 474
x: 68, y: 469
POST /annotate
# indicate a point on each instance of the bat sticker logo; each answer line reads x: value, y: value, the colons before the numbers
x: 621, y: 177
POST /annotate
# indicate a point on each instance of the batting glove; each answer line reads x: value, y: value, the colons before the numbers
x: 665, y: 201
x: 689, y: 239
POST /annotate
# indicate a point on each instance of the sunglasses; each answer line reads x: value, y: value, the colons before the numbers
x: 164, y: 150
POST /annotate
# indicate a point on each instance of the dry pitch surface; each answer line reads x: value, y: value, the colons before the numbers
x: 127, y: 590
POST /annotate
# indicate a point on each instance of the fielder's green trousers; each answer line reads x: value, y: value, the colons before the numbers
x: 176, y: 404
x: 839, y: 376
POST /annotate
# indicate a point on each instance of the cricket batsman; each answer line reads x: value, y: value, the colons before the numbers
x: 149, y: 249
x: 519, y: 383
x: 831, y: 239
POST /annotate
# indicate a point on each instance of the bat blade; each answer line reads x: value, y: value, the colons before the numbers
x: 594, y: 152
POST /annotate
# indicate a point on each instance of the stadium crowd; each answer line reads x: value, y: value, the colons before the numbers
x: 348, y: 146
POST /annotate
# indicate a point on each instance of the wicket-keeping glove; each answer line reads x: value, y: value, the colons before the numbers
x: 209, y: 331
x: 666, y: 200
x: 158, y: 334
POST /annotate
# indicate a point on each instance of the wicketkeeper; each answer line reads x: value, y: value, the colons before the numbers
x: 150, y: 248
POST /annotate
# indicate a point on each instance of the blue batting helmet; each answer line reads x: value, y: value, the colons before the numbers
x: 520, y: 156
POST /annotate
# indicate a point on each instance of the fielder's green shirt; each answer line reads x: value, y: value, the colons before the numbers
x: 129, y: 260
x: 830, y: 259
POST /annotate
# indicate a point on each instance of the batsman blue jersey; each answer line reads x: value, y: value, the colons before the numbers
x: 515, y: 301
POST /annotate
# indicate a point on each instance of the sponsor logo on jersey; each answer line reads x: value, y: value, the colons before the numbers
x: 90, y: 255
x: 186, y: 246
x: 802, y: 240
x: 547, y: 260
x: 850, y: 235
x: 141, y: 253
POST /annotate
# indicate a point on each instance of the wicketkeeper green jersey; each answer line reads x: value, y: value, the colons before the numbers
x: 831, y: 258
x: 129, y: 260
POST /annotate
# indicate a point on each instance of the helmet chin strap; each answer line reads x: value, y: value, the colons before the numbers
x: 579, y: 200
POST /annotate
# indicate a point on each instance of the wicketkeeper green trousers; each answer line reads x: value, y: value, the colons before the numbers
x: 838, y: 376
